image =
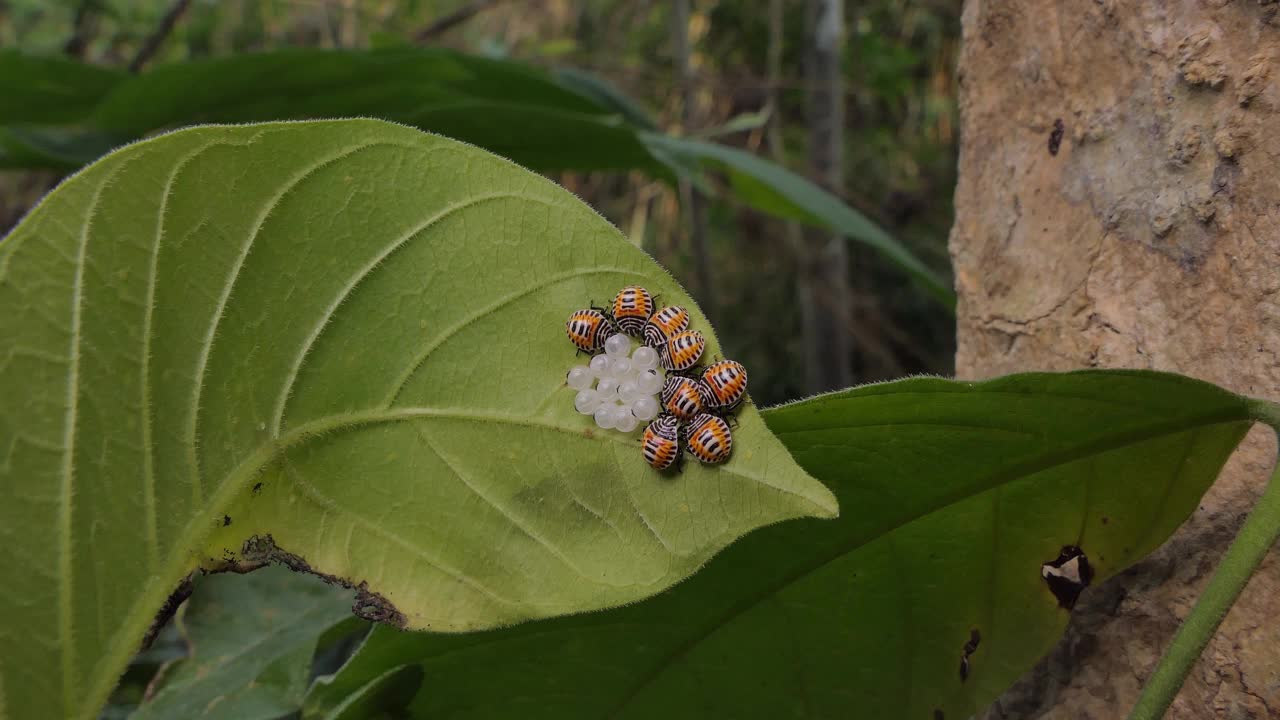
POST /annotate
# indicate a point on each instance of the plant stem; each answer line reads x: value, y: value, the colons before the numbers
x: 1243, y: 556
x: 152, y: 44
x: 453, y: 19
x: 1266, y: 411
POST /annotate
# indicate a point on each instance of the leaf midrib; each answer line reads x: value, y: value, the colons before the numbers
x: 1047, y: 462
x: 198, y: 529
x: 178, y: 558
x: 364, y: 272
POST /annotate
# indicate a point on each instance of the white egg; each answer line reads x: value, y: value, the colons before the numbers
x: 645, y: 408
x: 600, y: 364
x: 649, y: 382
x: 620, y: 367
x: 626, y: 420
x: 617, y: 346
x: 645, y: 358
x: 586, y: 401
x: 607, y: 387
x: 580, y: 377
x: 629, y: 391
x: 606, y: 417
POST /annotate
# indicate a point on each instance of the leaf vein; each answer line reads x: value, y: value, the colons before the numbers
x: 202, y: 362
x: 148, y: 441
x: 66, y: 491
x: 359, y: 277
x: 489, y: 309
x: 314, y: 494
x: 493, y: 503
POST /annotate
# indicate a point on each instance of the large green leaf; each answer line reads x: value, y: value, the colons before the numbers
x: 51, y: 89
x: 339, y: 345
x: 775, y: 190
x: 954, y: 495
x: 570, y: 121
x: 252, y: 640
x: 505, y: 107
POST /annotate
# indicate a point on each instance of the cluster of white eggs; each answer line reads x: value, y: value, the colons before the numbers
x: 620, y: 387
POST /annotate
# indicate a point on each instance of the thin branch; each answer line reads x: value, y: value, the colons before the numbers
x: 83, y: 27
x: 443, y: 24
x: 690, y: 197
x: 157, y: 38
x: 1242, y: 558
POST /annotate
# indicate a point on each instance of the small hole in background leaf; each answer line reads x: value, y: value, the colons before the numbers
x: 970, y: 647
x: 1068, y: 575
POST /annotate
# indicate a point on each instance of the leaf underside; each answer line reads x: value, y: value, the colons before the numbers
x: 339, y: 345
x: 953, y: 496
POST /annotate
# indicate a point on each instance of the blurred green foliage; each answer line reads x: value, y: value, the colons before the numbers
x: 900, y: 142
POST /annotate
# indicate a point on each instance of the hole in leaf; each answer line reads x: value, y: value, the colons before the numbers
x: 975, y: 638
x: 261, y: 549
x: 970, y: 648
x: 1068, y: 575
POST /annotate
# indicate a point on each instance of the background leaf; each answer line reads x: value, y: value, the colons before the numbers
x: 337, y: 345
x: 570, y: 121
x: 252, y: 640
x: 51, y: 89
x: 955, y: 494
x: 774, y: 190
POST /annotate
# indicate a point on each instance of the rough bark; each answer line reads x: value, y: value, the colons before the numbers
x: 1119, y: 206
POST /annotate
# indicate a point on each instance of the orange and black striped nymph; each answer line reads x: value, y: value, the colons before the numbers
x: 682, y: 351
x: 588, y: 329
x: 664, y: 325
x: 681, y: 397
x: 661, y: 442
x: 724, y: 384
x: 709, y: 439
x: 632, y: 308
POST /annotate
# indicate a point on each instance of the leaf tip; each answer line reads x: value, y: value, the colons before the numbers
x: 825, y: 504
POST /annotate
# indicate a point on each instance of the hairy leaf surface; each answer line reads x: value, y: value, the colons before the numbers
x: 338, y: 345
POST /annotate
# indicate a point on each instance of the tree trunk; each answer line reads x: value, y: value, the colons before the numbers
x: 825, y: 263
x: 1119, y: 206
x: 692, y: 200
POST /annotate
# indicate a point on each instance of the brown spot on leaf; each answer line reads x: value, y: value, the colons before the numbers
x: 226, y: 520
x: 1068, y: 575
x: 975, y: 638
x: 373, y: 606
x: 369, y: 605
x: 257, y: 488
x: 167, y: 611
